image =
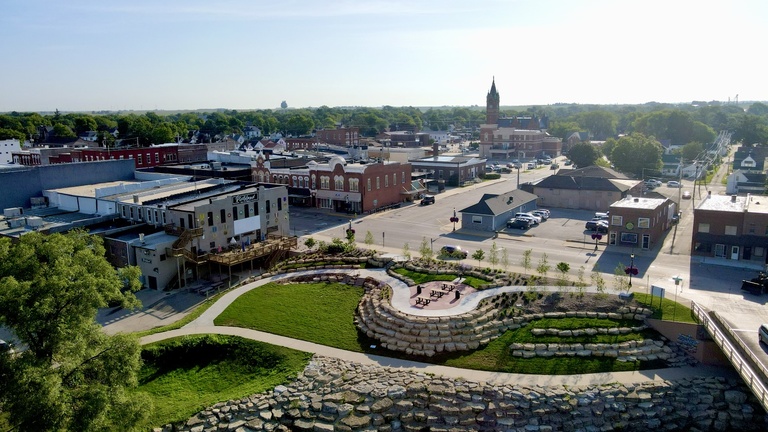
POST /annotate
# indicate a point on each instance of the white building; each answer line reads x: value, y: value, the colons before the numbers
x: 7, y: 148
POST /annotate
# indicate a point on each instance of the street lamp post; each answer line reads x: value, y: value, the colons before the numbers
x: 597, y: 237
x: 454, y: 219
x: 631, y: 270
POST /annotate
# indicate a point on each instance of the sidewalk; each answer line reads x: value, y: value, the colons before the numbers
x: 401, y: 300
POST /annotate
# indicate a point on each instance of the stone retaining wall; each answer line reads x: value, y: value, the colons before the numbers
x: 427, y: 336
x: 335, y: 395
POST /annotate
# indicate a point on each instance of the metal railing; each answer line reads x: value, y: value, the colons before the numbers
x: 755, y: 379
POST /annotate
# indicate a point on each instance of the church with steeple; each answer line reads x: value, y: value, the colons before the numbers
x: 519, y: 137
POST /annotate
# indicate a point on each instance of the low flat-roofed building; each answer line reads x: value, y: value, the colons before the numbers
x: 639, y: 222
x: 731, y: 228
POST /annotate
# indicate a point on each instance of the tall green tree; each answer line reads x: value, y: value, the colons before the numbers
x: 583, y: 154
x: 71, y: 375
x: 636, y: 152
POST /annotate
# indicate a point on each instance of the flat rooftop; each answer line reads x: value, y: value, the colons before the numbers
x: 733, y: 203
x: 639, y: 203
x: 89, y: 191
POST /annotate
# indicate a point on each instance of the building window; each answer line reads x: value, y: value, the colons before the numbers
x: 477, y: 219
x: 325, y: 182
x: 354, y: 185
x: 386, y: 181
x: 223, y: 214
x: 618, y: 221
x: 402, y: 177
x: 247, y: 210
x: 210, y: 218
x: 703, y: 228
x: 138, y: 158
x: 369, y: 184
x: 751, y: 228
x: 394, y: 179
x: 703, y: 247
x: 720, y: 250
x: 378, y: 183
x: 234, y: 213
x: 324, y: 203
x: 629, y: 238
x: 279, y: 204
x: 338, y: 183
x: 157, y: 157
x: 612, y: 238
x: 730, y: 230
x: 268, y: 204
x: 644, y: 223
x: 759, y: 251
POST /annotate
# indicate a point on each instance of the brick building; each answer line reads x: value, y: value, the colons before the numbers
x: 341, y: 137
x: 639, y: 222
x: 732, y: 228
x: 347, y: 187
x: 514, y: 138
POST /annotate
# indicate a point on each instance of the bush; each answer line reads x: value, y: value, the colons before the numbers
x: 492, y: 176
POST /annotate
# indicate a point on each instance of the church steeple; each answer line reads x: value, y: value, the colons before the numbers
x: 492, y: 105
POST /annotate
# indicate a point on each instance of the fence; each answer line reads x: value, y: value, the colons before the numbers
x: 734, y: 349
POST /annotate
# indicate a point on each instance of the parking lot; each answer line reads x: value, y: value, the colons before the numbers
x: 563, y: 224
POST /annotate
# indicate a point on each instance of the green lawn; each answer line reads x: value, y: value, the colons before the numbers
x: 316, y: 312
x: 496, y: 356
x: 420, y: 278
x: 184, y: 375
x: 668, y: 311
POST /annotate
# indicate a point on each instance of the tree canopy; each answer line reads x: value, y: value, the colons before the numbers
x: 583, y: 154
x: 634, y: 153
x: 68, y: 375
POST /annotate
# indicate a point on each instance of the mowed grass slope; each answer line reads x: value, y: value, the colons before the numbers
x: 184, y: 375
x: 317, y: 312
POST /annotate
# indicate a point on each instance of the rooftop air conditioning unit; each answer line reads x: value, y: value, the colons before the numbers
x: 12, y: 212
x: 34, y: 221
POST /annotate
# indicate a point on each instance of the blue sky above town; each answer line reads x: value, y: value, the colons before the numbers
x: 83, y: 55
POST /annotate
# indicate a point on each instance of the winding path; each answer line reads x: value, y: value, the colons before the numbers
x: 401, y: 300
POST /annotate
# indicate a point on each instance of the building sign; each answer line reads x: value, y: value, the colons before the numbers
x: 245, y: 198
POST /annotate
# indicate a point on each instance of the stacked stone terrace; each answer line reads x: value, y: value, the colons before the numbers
x: 335, y: 395
x: 427, y: 336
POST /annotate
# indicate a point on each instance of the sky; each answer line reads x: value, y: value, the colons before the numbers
x: 92, y: 55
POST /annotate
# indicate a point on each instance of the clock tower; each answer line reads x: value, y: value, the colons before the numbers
x: 492, y: 105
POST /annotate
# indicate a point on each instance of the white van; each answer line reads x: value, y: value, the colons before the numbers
x: 762, y: 333
x: 602, y: 216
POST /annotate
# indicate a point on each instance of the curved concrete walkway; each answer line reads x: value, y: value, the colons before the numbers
x: 401, y: 300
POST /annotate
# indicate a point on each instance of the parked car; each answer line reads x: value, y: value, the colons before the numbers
x: 653, y: 182
x: 543, y: 215
x: 543, y: 211
x: 568, y: 162
x: 762, y: 333
x: 554, y: 166
x: 531, y: 165
x: 454, y: 251
x: 519, y: 223
x: 536, y: 219
x: 686, y: 195
x: 594, y: 225
x: 427, y: 200
x: 675, y: 218
x: 674, y: 184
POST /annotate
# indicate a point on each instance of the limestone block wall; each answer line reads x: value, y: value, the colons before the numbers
x: 336, y: 395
